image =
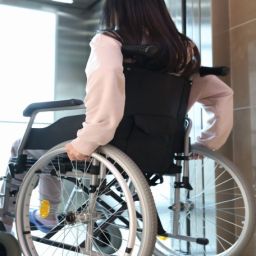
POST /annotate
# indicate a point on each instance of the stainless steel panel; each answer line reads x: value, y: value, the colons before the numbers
x: 75, y: 27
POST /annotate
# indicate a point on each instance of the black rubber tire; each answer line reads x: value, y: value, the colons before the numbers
x: 9, y: 245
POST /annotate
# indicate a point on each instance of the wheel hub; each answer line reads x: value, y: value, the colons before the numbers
x: 187, y: 206
x: 73, y: 217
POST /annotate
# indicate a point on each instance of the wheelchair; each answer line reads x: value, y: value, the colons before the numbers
x: 106, y: 202
x: 110, y: 207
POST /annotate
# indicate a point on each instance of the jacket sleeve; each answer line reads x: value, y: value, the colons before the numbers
x: 216, y: 98
x: 105, y: 94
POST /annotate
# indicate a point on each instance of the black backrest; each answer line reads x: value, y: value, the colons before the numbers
x: 152, y: 129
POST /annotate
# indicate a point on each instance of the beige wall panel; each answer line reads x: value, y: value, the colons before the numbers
x: 242, y: 11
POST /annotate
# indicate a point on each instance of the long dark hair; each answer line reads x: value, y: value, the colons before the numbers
x: 140, y: 20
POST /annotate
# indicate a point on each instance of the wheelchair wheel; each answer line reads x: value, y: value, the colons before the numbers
x: 143, y: 200
x: 98, y: 213
x: 220, y: 208
x: 8, y: 245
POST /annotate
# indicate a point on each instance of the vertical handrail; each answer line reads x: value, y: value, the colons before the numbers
x: 184, y: 16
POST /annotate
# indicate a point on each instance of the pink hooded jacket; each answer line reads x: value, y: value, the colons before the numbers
x: 105, y: 99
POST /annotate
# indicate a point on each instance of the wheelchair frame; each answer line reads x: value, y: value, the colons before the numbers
x: 141, y: 220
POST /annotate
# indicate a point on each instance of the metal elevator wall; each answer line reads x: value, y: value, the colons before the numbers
x: 75, y: 28
x: 197, y: 24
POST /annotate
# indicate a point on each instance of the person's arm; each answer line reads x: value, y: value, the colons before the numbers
x: 216, y: 98
x: 105, y: 97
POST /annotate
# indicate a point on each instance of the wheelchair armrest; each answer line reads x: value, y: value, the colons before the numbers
x: 50, y: 105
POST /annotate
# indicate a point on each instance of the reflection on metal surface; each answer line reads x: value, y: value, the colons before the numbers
x: 174, y: 7
x: 64, y: 1
x: 76, y: 25
x: 198, y: 27
x: 198, y: 24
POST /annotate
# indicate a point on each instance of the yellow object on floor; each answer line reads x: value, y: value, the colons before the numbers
x: 163, y: 238
x: 44, y: 209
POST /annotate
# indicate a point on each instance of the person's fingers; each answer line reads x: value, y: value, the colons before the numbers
x: 80, y: 157
x: 71, y: 157
x: 196, y: 156
x: 77, y: 157
x: 68, y: 148
x: 73, y: 154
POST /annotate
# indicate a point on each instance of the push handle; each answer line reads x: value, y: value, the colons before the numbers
x: 148, y: 50
x: 218, y: 71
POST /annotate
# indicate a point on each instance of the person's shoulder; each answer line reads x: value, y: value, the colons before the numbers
x: 112, y: 33
x: 103, y: 39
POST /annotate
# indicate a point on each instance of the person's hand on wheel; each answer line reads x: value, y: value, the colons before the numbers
x: 73, y: 154
x: 196, y: 156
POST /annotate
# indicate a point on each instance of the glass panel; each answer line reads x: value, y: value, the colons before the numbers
x: 27, y: 63
x: 27, y: 69
x: 198, y: 28
x: 174, y: 8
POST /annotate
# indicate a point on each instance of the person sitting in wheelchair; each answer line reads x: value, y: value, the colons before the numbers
x: 133, y: 22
